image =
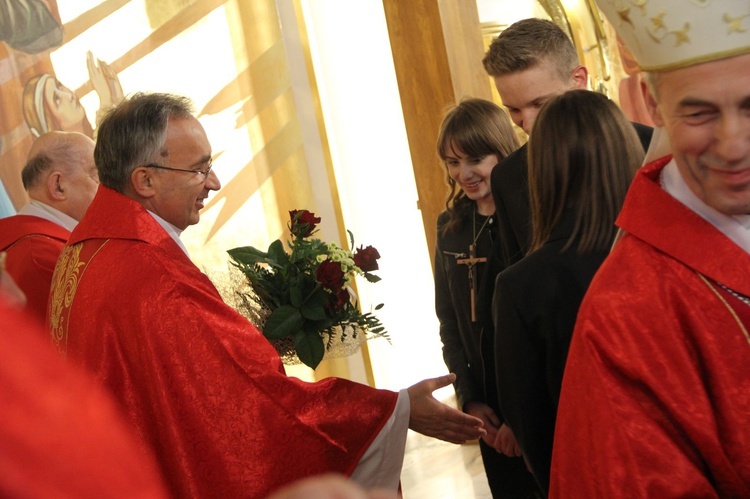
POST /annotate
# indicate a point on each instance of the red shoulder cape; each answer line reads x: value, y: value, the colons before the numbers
x: 32, y: 245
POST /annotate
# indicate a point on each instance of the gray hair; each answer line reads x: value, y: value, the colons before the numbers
x: 133, y: 134
x: 61, y: 153
x: 35, y: 167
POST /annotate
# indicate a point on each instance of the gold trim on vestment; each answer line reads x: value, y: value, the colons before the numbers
x: 713, y: 57
x: 65, y: 281
x: 728, y: 306
x: 9, y: 247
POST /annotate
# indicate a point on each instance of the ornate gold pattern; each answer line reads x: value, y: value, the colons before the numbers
x: 64, y: 285
x: 657, y: 21
x: 65, y: 281
x: 624, y: 15
x: 728, y: 307
x: 735, y: 23
x: 658, y: 31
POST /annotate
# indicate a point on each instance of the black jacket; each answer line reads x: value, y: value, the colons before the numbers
x: 535, y: 306
x: 461, y: 336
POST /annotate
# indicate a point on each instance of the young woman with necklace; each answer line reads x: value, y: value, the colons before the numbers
x: 474, y: 137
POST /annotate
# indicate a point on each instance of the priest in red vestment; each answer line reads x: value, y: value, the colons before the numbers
x: 61, y: 435
x: 198, y: 381
x: 656, y: 394
x: 60, y: 178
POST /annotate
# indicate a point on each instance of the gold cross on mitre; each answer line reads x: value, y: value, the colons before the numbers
x: 471, y: 264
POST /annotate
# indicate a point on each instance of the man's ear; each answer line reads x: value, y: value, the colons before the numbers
x: 651, y: 104
x: 580, y: 77
x: 142, y: 181
x: 55, y: 187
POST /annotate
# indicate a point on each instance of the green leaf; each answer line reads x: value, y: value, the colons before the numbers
x: 248, y: 255
x: 371, y: 277
x: 310, y: 348
x: 297, y: 293
x: 351, y: 239
x: 318, y: 297
x: 313, y: 311
x: 379, y: 306
x: 276, y: 254
x: 284, y: 321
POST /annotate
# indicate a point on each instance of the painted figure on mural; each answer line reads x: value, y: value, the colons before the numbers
x: 49, y: 105
x: 27, y: 28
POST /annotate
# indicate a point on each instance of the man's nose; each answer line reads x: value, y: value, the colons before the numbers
x: 527, y: 119
x: 212, y: 181
x: 733, y: 138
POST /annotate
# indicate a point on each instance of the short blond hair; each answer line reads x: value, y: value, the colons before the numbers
x: 528, y: 42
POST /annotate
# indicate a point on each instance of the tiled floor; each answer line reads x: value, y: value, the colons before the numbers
x: 434, y: 469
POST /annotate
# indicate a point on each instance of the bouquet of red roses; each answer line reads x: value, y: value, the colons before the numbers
x: 307, y: 289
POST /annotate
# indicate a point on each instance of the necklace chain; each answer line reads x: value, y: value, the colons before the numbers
x: 474, y: 227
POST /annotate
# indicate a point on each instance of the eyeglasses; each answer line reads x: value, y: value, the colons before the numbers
x: 200, y: 172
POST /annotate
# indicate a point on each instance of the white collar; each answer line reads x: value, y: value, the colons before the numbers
x: 736, y: 227
x: 36, y: 208
x: 173, y: 231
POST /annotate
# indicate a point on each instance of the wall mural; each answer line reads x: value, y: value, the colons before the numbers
x: 63, y: 62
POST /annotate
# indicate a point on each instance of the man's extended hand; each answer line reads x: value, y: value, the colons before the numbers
x: 434, y: 419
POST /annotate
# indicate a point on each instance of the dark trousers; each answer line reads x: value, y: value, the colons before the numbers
x: 508, y: 476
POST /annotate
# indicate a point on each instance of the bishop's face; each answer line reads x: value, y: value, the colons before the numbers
x: 179, y: 195
x: 705, y: 110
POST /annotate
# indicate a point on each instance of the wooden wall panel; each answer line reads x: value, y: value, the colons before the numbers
x: 437, y: 52
x: 465, y: 49
x: 424, y: 83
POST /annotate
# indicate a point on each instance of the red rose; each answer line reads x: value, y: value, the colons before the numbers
x: 330, y: 275
x: 366, y: 258
x: 302, y: 222
x: 338, y: 300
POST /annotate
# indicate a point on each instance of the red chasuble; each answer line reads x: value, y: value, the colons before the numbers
x: 656, y: 394
x: 61, y: 435
x: 199, y: 382
x: 32, y: 245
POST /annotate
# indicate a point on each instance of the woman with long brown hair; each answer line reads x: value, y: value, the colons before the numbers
x: 583, y: 154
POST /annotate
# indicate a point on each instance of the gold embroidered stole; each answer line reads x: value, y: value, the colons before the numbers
x: 68, y: 273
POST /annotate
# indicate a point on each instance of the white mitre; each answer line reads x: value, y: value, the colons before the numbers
x: 671, y: 34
